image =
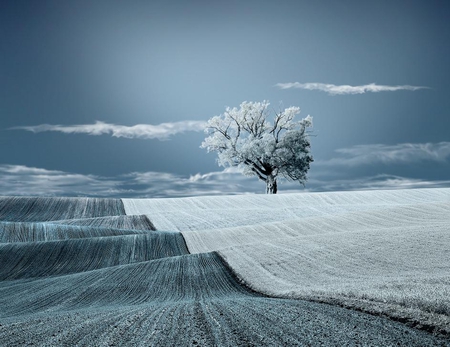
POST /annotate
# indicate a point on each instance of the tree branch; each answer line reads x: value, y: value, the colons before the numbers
x: 258, y: 174
x: 254, y: 166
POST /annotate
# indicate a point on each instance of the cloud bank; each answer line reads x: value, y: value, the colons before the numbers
x: 380, y: 181
x: 140, y: 131
x: 30, y: 181
x: 338, y: 173
x: 404, y: 153
x: 333, y: 89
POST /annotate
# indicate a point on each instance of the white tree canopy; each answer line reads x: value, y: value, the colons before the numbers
x: 244, y: 137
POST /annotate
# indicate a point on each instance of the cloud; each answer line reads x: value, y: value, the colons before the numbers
x: 403, y: 153
x: 30, y: 181
x: 381, y: 181
x: 380, y: 166
x: 139, y: 131
x: 333, y: 89
x: 228, y: 181
x: 223, y: 175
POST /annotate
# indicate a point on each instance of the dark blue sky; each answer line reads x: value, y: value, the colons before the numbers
x: 129, y: 63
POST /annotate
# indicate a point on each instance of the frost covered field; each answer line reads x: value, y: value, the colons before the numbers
x: 227, y: 270
x: 379, y: 251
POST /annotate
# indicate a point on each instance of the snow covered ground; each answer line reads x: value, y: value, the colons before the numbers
x: 379, y: 251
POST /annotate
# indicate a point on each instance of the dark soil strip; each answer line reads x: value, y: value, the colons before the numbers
x: 117, y: 222
x: 39, y: 209
x: 41, y: 259
x: 34, y: 232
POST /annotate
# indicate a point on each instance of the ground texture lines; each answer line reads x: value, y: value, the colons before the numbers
x: 95, y: 272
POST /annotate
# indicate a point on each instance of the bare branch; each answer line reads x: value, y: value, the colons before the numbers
x: 258, y: 174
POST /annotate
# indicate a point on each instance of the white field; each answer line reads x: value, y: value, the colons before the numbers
x: 381, y: 251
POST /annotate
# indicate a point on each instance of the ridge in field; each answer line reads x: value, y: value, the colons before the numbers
x: 51, y: 258
x: 53, y: 231
x: 136, y: 222
x: 41, y: 209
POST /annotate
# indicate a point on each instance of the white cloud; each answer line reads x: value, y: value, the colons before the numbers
x: 223, y: 175
x: 403, y: 153
x: 227, y: 181
x: 333, y: 89
x: 140, y: 131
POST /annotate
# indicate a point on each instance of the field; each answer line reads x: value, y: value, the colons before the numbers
x: 344, y: 268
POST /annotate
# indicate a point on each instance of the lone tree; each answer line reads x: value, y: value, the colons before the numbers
x: 245, y: 138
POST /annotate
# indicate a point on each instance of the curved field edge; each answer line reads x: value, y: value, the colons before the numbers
x: 409, y: 312
x: 396, y: 259
x: 434, y: 323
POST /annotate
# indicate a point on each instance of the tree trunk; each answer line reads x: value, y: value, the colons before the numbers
x: 271, y: 185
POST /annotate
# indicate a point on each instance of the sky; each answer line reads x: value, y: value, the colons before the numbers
x: 109, y: 98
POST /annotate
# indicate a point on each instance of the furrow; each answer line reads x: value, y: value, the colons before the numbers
x: 40, y: 209
x: 141, y: 222
x: 11, y: 232
x: 42, y: 259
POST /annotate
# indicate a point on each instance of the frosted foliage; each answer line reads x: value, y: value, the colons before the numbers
x: 245, y: 138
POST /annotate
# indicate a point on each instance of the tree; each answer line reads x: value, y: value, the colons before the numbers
x: 245, y: 138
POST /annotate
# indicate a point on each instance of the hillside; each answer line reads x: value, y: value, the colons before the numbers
x: 227, y: 270
x: 384, y: 252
